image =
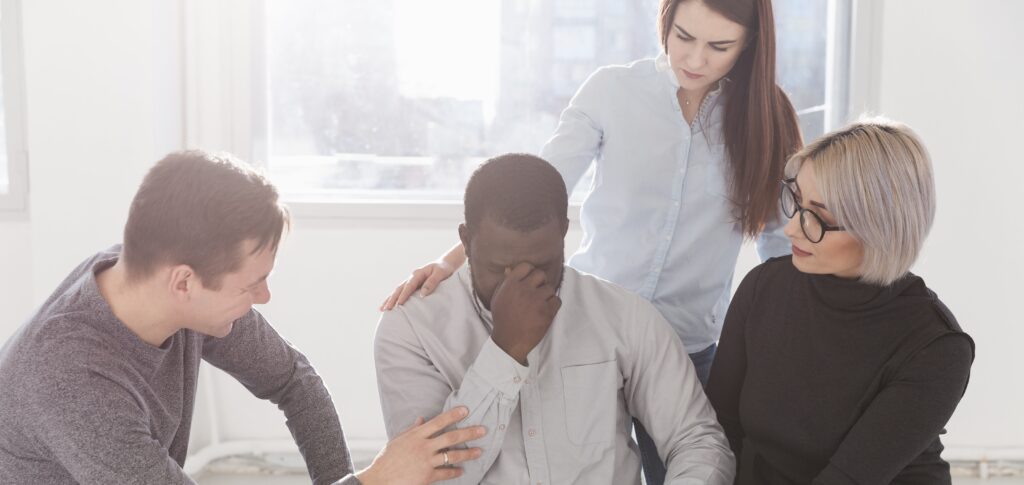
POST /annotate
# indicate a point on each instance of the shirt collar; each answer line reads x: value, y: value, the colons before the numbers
x: 478, y: 305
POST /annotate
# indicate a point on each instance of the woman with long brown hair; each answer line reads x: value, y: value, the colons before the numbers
x: 689, y: 150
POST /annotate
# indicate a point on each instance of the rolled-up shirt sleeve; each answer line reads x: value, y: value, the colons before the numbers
x: 410, y: 387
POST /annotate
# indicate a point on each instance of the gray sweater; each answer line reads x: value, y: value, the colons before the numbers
x: 84, y: 400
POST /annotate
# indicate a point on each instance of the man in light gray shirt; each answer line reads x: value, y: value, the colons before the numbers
x: 553, y: 362
x: 98, y: 386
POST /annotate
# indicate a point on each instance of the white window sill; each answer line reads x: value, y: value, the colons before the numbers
x: 397, y: 211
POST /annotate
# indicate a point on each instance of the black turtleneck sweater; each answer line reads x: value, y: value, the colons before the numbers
x: 828, y: 381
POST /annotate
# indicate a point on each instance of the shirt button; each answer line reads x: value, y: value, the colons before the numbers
x: 516, y: 379
x: 532, y: 433
x: 501, y: 427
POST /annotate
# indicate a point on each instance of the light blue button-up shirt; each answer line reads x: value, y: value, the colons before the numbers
x: 657, y: 219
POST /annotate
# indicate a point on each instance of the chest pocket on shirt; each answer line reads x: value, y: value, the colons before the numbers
x: 591, y: 400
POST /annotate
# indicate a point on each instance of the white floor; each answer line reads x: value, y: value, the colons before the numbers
x: 220, y: 479
x: 297, y: 479
x: 288, y: 469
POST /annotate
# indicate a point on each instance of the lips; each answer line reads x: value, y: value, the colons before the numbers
x: 799, y: 252
x: 691, y: 75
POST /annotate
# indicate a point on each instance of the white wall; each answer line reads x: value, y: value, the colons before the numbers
x: 105, y: 102
x: 953, y: 71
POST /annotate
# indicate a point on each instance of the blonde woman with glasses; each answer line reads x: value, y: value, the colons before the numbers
x: 836, y: 364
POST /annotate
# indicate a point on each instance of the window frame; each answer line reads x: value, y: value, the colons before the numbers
x: 15, y: 199
x: 227, y: 97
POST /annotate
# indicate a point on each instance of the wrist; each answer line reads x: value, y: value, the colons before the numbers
x: 366, y: 476
x: 512, y: 349
x: 454, y: 259
x: 446, y: 265
x: 449, y: 263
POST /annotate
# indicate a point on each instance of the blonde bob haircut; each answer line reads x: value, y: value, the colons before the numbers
x: 875, y: 177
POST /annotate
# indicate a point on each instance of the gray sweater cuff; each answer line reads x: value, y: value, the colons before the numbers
x: 348, y: 480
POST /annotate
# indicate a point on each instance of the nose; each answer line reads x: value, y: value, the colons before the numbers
x: 792, y: 229
x: 262, y: 295
x: 695, y: 59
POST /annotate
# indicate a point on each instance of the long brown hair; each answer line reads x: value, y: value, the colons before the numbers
x: 760, y: 124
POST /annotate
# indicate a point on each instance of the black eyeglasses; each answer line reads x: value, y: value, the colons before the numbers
x: 811, y: 223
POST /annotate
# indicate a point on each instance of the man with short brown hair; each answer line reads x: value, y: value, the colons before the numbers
x: 99, y: 385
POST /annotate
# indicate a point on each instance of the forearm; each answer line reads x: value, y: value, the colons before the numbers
x: 688, y: 437
x: 316, y: 427
x: 699, y: 452
x: 489, y: 390
x: 455, y: 257
x: 272, y: 369
x: 904, y: 418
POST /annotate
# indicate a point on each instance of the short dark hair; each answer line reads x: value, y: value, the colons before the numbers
x: 518, y: 191
x: 197, y: 208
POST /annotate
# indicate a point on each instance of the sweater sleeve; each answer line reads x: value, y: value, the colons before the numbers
x: 905, y: 417
x: 272, y: 369
x: 730, y: 366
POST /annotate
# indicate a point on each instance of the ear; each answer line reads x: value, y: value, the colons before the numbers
x: 182, y: 282
x: 464, y: 237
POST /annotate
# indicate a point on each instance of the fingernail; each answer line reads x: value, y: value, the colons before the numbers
x: 481, y: 431
x: 463, y: 412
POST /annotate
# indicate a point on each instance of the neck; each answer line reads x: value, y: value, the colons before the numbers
x: 694, y: 96
x: 136, y: 305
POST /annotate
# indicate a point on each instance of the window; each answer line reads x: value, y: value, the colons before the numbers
x: 402, y: 99
x: 813, y: 46
x: 399, y: 100
x: 12, y: 159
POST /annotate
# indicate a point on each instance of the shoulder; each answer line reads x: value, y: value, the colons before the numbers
x: 772, y: 272
x: 593, y: 300
x: 939, y: 319
x: 60, y: 360
x: 618, y: 77
x: 590, y: 289
x: 443, y: 309
x: 57, y: 343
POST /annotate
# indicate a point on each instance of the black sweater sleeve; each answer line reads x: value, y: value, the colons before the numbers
x: 904, y: 418
x: 730, y: 365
